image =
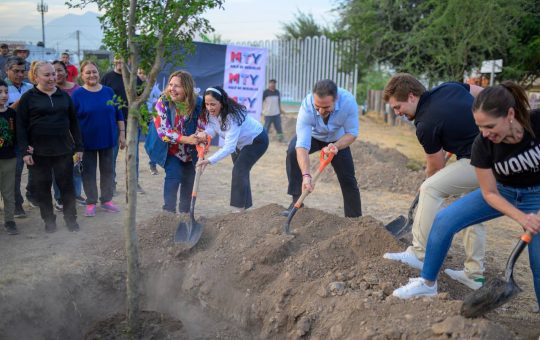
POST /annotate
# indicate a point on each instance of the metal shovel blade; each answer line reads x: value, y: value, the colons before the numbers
x: 287, y: 225
x: 188, y: 233
x: 493, y: 294
x: 395, y: 226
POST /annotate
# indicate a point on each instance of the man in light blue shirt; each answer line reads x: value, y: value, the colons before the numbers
x: 328, y: 120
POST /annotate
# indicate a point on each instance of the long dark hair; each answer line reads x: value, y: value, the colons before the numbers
x: 229, y: 106
x: 496, y: 100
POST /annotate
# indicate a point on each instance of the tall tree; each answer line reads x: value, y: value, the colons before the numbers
x: 303, y: 26
x: 144, y: 33
x: 437, y: 38
x: 522, y: 60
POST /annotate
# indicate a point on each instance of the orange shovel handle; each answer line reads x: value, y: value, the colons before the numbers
x: 325, y: 159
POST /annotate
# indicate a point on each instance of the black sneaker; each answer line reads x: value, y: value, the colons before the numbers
x: 73, y: 226
x: 19, y: 212
x: 58, y: 206
x: 153, y: 170
x: 11, y: 228
x: 50, y: 226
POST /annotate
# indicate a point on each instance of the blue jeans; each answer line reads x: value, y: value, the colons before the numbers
x: 473, y: 209
x: 178, y: 174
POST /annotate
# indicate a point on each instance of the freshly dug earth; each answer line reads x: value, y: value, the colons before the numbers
x: 245, y: 280
x: 329, y: 280
x: 152, y: 325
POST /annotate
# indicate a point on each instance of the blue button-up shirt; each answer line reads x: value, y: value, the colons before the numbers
x: 343, y: 120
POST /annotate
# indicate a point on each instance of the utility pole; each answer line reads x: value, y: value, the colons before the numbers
x: 78, y: 45
x: 42, y: 8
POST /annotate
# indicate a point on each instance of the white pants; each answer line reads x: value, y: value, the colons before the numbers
x: 455, y: 179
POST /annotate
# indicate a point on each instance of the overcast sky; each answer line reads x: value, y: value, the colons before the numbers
x: 240, y: 20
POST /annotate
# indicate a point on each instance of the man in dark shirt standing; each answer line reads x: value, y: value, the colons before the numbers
x: 113, y: 79
x: 444, y: 122
x: 271, y: 109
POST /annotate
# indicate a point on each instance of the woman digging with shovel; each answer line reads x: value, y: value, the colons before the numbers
x: 245, y: 140
x: 506, y: 155
x: 172, y: 142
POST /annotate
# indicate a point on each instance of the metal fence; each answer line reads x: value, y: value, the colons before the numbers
x: 298, y: 64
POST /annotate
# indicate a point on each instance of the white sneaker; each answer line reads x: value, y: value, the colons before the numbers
x: 461, y: 277
x: 405, y: 257
x: 415, y: 287
x: 238, y: 210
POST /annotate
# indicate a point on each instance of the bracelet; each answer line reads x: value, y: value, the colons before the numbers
x: 306, y: 175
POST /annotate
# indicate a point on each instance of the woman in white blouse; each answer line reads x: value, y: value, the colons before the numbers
x: 245, y: 140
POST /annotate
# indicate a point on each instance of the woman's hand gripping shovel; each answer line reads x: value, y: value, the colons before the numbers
x: 496, y: 292
x: 325, y: 159
x: 190, y: 233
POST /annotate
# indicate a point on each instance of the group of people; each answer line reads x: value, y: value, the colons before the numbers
x: 493, y: 133
x: 496, y: 138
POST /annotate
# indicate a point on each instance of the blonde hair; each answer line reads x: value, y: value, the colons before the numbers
x: 32, y: 73
x: 188, y: 84
x: 86, y: 63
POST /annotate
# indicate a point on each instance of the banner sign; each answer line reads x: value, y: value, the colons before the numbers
x: 244, y: 77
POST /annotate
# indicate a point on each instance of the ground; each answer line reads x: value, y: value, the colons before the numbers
x: 247, y: 280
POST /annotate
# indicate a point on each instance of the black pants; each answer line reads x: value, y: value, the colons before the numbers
x: 63, y: 175
x: 106, y: 175
x: 243, y: 162
x: 343, y: 166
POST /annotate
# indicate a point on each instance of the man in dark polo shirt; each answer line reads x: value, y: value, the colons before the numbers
x: 444, y: 122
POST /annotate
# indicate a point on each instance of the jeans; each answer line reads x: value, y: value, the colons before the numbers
x: 77, y: 182
x: 473, y: 209
x: 276, y: 120
x: 343, y: 166
x: 243, y: 162
x: 90, y: 163
x: 178, y: 174
x: 454, y: 179
x: 62, y: 166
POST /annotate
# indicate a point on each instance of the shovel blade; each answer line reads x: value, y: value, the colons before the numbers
x: 287, y: 225
x: 188, y: 233
x: 494, y: 293
x: 395, y: 226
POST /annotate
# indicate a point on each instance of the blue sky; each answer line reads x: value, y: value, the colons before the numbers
x: 241, y: 20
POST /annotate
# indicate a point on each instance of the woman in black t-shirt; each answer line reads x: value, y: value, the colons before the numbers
x: 506, y: 155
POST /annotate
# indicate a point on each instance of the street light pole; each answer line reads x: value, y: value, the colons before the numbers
x: 42, y: 8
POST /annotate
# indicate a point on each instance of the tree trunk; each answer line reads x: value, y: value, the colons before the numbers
x: 130, y: 223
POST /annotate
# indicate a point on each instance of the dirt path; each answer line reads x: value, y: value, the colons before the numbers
x: 55, y: 286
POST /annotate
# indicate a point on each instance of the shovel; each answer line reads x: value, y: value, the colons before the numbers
x: 190, y: 233
x: 496, y: 292
x: 403, y: 225
x: 324, y: 160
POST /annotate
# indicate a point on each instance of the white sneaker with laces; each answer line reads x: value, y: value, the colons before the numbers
x: 461, y: 277
x: 415, y: 287
x: 405, y: 257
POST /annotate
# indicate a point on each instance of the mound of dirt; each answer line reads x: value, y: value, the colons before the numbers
x: 328, y: 280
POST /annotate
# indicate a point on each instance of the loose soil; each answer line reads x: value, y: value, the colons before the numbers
x: 245, y: 279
